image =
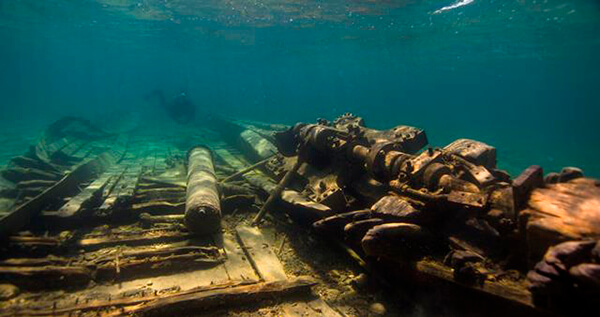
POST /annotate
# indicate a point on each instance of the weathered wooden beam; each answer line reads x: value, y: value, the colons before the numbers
x: 513, y: 291
x: 264, y: 261
x: 276, y: 192
x: 159, y: 207
x: 21, y: 216
x: 237, y: 294
x: 149, y: 219
x: 85, y: 198
x: 121, y: 196
x: 142, y: 237
x: 18, y: 174
x: 198, y: 299
x: 561, y: 212
x: 49, y: 275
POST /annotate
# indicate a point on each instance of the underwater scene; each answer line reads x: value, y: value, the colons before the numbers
x: 299, y: 158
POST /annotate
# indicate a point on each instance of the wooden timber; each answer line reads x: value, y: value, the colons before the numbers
x: 263, y: 259
x: 561, y: 212
x: 21, y: 216
x: 102, y: 265
x: 140, y: 237
x: 293, y: 202
x: 121, y: 195
x: 198, y: 298
x: 85, y: 198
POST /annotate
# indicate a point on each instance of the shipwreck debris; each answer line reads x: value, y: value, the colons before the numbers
x: 147, y: 217
x: 203, y: 207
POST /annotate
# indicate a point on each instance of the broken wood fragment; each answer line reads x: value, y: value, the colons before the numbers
x: 198, y: 298
x: 150, y: 219
x: 21, y: 216
x: 159, y: 208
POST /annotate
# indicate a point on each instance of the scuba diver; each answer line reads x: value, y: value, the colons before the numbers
x: 179, y: 108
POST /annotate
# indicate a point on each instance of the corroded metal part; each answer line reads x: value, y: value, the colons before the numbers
x: 473, y: 151
x: 203, y: 207
x: 395, y: 208
x: 276, y: 193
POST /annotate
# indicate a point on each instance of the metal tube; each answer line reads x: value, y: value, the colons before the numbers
x: 276, y: 193
x: 246, y: 170
x: 202, y: 206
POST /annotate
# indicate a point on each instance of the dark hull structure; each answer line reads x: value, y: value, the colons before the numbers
x: 135, y: 222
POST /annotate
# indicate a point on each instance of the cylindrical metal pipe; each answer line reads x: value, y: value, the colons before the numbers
x: 202, y: 205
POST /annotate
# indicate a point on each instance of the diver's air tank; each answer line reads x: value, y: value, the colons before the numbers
x: 202, y: 206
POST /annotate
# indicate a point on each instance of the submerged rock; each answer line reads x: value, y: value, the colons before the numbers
x: 587, y: 273
x: 8, y: 291
x: 569, y: 173
x: 377, y: 309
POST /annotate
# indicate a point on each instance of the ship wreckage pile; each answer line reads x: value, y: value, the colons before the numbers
x: 85, y: 210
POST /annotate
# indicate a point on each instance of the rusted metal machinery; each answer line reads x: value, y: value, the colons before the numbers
x: 450, y: 206
x: 202, y: 207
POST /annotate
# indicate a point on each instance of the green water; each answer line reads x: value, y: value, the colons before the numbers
x: 520, y: 75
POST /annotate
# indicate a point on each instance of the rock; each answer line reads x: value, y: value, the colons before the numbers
x: 569, y: 173
x: 551, y: 178
x: 540, y: 284
x: 458, y: 258
x: 377, y: 309
x: 8, y: 291
x: 355, y: 231
x: 570, y: 253
x: 332, y: 293
x: 395, y: 208
x: 360, y: 281
x: 596, y: 252
x: 587, y: 273
x: 396, y: 240
x: 546, y: 269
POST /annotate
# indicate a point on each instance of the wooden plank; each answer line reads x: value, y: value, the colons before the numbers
x: 513, y: 291
x: 21, y: 216
x: 237, y: 266
x: 116, y: 172
x: 159, y: 208
x: 259, y: 252
x: 197, y: 299
x: 108, y: 264
x: 85, y: 198
x: 254, y: 177
x: 121, y: 197
x: 243, y: 293
x: 146, y: 237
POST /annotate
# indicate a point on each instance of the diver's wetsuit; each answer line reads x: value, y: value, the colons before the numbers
x: 179, y: 109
